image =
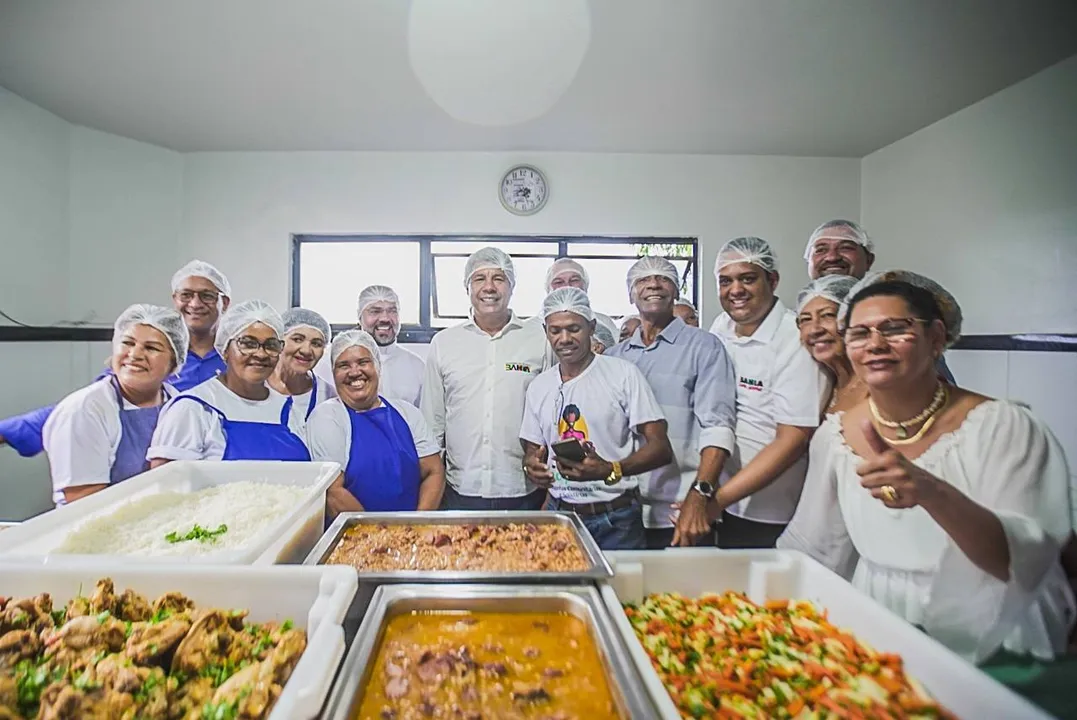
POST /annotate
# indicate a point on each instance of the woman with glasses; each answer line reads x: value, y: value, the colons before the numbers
x: 949, y: 508
x: 236, y: 415
x: 98, y: 436
x: 390, y: 458
x: 817, y: 319
x: 306, y: 335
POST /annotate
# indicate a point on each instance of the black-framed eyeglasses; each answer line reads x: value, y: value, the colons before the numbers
x: 891, y: 330
x: 208, y: 297
x: 248, y: 345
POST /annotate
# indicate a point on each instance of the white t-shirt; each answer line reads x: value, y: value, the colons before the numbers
x: 612, y: 399
x: 473, y: 399
x: 329, y: 432
x: 188, y: 430
x: 778, y: 382
x: 82, y: 435
x: 301, y: 403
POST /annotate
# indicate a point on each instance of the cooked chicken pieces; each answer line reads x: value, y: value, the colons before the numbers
x: 117, y: 656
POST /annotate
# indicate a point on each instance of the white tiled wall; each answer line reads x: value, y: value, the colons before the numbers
x: 1046, y: 381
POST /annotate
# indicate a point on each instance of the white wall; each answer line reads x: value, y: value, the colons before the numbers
x: 240, y: 209
x: 985, y: 201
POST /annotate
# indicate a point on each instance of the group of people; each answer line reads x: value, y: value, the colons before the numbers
x: 833, y: 428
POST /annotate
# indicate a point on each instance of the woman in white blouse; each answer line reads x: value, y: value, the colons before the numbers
x: 948, y: 507
x: 818, y: 305
x: 306, y: 335
x: 235, y: 415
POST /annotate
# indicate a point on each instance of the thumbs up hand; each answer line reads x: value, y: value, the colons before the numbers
x: 890, y: 476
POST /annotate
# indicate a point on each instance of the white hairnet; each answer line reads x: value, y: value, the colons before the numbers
x: 756, y: 251
x: 650, y: 266
x: 605, y: 333
x: 839, y: 230
x: 354, y: 338
x: 487, y: 258
x: 377, y: 293
x: 832, y: 287
x: 166, y: 320
x: 568, y: 299
x: 948, y: 306
x: 202, y: 269
x: 566, y: 265
x: 686, y: 303
x: 301, y: 317
x: 627, y: 319
x: 239, y: 317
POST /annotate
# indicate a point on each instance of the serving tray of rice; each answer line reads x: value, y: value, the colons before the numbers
x: 240, y: 512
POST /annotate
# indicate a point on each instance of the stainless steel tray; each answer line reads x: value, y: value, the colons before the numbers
x: 598, y: 568
x: 632, y: 701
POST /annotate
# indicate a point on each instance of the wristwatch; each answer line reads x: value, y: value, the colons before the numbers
x: 704, y: 488
x: 615, y: 475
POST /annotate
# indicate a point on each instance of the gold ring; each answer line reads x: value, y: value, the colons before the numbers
x: 889, y: 492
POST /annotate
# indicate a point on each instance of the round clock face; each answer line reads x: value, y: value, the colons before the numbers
x: 524, y: 190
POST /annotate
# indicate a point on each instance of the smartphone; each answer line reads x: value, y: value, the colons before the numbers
x: 570, y: 450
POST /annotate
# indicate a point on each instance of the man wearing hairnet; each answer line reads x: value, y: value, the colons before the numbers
x: 402, y: 370
x: 692, y: 378
x: 780, y: 395
x: 200, y: 293
x: 605, y: 409
x: 568, y: 272
x: 842, y: 247
x: 686, y: 311
x: 476, y: 378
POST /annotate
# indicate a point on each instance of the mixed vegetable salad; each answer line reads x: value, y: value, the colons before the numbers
x: 723, y: 656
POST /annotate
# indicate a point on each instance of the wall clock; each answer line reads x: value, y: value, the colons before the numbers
x: 524, y: 190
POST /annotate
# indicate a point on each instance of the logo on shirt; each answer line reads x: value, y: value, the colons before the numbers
x: 751, y: 384
x: 572, y: 425
x: 518, y: 367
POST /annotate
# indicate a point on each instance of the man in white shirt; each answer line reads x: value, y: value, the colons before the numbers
x: 607, y: 407
x: 476, y: 378
x: 401, y: 370
x: 780, y: 395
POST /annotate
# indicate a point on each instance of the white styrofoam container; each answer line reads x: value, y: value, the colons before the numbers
x: 314, y: 598
x: 779, y: 575
x: 287, y: 540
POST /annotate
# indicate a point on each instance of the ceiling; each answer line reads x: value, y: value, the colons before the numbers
x: 782, y: 77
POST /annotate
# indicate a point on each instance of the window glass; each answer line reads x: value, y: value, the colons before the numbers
x: 331, y: 275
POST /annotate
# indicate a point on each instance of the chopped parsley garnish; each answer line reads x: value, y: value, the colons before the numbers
x: 30, y: 680
x: 161, y: 615
x: 286, y: 626
x: 197, y: 533
x: 103, y: 616
x: 59, y: 617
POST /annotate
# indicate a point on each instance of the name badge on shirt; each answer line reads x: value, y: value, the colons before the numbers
x: 518, y: 367
x: 751, y: 384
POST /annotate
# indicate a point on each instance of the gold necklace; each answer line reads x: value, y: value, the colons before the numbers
x: 942, y: 396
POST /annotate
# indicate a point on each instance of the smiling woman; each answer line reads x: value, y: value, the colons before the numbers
x: 236, y: 415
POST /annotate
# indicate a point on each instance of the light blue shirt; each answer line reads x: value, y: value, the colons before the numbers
x: 692, y: 378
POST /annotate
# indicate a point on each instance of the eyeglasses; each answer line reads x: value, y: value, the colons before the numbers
x: 208, y: 297
x: 891, y: 331
x: 248, y: 345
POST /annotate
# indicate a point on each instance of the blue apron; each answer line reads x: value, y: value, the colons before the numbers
x: 258, y: 440
x: 383, y: 465
x: 136, y: 431
x: 313, y: 397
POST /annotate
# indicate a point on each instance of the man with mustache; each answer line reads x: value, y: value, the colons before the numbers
x: 200, y: 293
x: 401, y: 370
x: 477, y: 374
x: 606, y: 405
x: 780, y: 393
x: 841, y: 247
x: 692, y: 379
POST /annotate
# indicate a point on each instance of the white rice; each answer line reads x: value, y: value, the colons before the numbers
x: 139, y: 527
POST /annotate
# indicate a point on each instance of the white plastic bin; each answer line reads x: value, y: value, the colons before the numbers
x: 779, y: 575
x: 314, y: 598
x: 286, y: 540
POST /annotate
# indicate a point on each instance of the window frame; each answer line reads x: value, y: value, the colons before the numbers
x: 424, y: 331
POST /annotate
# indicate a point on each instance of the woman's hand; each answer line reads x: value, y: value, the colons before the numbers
x: 535, y: 467
x: 891, y: 477
x: 592, y: 467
